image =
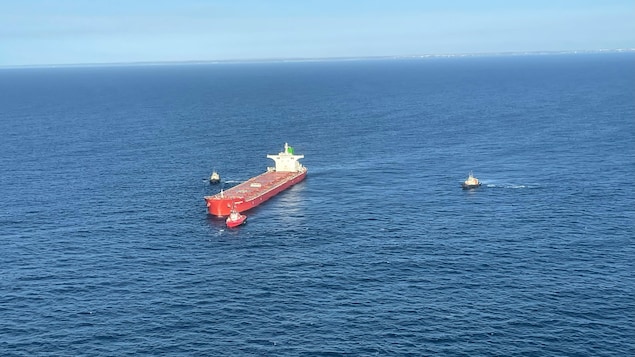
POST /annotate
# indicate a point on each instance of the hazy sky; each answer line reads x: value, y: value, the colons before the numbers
x: 105, y: 31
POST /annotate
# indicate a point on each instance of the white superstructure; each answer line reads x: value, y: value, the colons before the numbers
x: 286, y: 161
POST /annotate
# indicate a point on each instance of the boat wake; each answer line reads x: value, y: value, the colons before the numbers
x: 508, y: 186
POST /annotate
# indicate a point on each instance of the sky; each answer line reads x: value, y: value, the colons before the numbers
x: 46, y: 32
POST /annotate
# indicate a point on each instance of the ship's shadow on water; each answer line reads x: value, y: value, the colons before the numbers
x: 214, y: 221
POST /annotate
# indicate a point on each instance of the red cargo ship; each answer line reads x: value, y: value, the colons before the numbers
x: 249, y: 194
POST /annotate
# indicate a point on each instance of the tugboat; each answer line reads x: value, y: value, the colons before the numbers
x: 471, y: 182
x: 235, y: 219
x: 214, y: 178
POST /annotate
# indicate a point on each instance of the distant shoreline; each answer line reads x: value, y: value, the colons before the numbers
x: 316, y: 59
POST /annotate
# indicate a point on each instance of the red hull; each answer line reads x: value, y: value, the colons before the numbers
x: 252, y: 192
x: 235, y: 223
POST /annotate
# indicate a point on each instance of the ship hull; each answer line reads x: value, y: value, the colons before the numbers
x: 252, y: 192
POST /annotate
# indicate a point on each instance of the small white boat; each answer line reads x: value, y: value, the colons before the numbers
x: 471, y: 182
x: 214, y: 178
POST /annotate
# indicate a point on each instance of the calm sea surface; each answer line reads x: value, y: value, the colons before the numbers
x: 106, y: 248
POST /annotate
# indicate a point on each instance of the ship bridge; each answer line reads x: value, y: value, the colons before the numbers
x: 286, y: 161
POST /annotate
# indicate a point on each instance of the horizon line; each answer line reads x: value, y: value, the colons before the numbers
x: 314, y: 59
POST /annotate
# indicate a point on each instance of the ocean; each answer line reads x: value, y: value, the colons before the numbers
x: 107, y: 249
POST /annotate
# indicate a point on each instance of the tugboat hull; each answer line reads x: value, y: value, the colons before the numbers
x: 233, y: 222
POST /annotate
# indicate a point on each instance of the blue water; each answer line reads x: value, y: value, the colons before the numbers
x: 107, y: 250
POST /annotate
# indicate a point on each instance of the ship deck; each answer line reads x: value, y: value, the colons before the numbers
x: 257, y: 186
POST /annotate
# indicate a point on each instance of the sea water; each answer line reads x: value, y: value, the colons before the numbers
x: 107, y: 249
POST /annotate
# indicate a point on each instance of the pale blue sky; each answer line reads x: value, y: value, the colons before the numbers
x: 39, y: 32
